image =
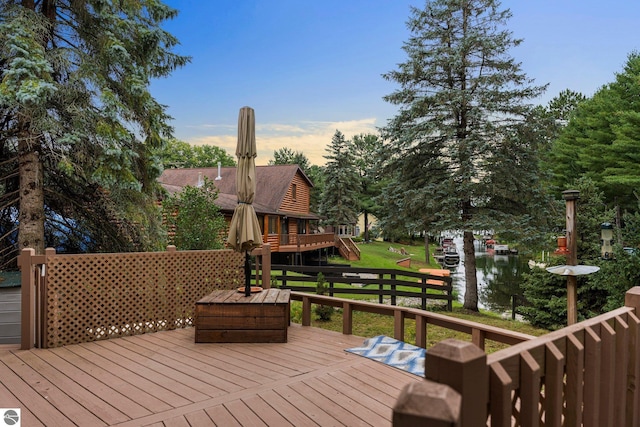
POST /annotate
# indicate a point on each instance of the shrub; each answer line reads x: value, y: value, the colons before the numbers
x: 546, y: 295
x: 323, y: 312
x: 195, y: 218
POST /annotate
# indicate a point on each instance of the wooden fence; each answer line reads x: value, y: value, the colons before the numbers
x: 586, y: 374
x: 371, y: 281
x: 69, y: 299
x: 478, y: 332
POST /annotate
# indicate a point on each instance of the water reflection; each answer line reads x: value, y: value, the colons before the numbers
x: 499, y: 277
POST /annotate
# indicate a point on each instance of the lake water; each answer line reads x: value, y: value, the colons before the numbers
x: 499, y: 277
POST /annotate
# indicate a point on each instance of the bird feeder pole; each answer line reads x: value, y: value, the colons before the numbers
x: 571, y: 197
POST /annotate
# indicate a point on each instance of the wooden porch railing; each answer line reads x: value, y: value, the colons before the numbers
x: 307, y: 241
x: 478, y: 332
x: 348, y: 249
x: 586, y: 374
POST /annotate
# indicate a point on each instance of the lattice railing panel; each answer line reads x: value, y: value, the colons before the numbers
x: 97, y: 296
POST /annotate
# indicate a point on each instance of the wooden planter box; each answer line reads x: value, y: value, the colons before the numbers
x: 229, y: 316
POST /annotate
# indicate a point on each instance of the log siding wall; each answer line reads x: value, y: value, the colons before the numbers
x: 301, y: 203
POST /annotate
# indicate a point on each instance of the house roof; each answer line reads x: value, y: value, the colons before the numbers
x: 272, y: 184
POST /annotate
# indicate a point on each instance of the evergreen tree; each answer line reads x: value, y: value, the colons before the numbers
x: 316, y: 175
x: 460, y: 96
x: 366, y: 150
x: 286, y: 156
x: 392, y: 221
x: 547, y: 293
x: 602, y: 140
x: 340, y: 196
x: 562, y: 106
x: 78, y: 122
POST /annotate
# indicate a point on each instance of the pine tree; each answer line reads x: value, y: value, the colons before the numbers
x: 78, y: 122
x: 602, y: 140
x: 340, y: 196
x: 286, y: 156
x: 366, y: 150
x: 460, y: 95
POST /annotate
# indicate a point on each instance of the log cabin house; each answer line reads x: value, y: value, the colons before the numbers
x: 281, y: 204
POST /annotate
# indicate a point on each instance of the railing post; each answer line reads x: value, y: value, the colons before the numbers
x: 347, y: 318
x: 427, y: 404
x: 421, y: 331
x: 398, y: 325
x: 632, y: 299
x: 306, y: 311
x: 477, y: 337
x: 462, y: 366
x: 27, y: 266
x: 266, y: 265
x: 393, y: 289
x: 32, y: 314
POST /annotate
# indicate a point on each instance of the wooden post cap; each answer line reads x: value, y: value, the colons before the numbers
x: 451, y: 351
x: 427, y: 404
x: 462, y: 366
x: 632, y: 299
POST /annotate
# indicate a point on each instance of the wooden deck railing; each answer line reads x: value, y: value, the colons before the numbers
x: 586, y: 374
x: 306, y: 242
x: 478, y: 332
x: 348, y: 249
x: 69, y: 299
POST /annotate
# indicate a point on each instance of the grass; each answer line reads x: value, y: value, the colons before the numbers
x: 378, y: 255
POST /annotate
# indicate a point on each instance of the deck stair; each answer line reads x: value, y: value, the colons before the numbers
x: 348, y: 249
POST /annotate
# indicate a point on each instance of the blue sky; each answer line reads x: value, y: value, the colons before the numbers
x: 309, y: 67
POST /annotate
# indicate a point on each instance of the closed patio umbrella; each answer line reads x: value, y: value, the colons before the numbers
x: 244, y: 230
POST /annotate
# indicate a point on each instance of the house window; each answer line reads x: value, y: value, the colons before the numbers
x: 294, y: 189
x: 302, y: 226
x: 273, y: 224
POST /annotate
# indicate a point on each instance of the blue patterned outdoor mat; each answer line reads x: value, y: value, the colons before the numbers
x: 393, y: 353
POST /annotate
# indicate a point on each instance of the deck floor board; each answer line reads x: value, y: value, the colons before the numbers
x: 165, y: 378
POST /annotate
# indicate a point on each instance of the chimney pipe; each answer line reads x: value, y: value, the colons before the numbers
x: 219, y: 177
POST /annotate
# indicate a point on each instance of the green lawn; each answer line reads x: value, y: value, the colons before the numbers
x: 378, y: 255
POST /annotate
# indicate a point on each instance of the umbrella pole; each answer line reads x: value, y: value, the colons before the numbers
x: 247, y: 274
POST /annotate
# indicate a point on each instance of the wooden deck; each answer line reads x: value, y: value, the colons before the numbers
x: 164, y: 378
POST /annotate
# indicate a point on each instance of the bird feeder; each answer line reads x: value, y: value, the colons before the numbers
x: 562, y: 246
x: 606, y: 237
